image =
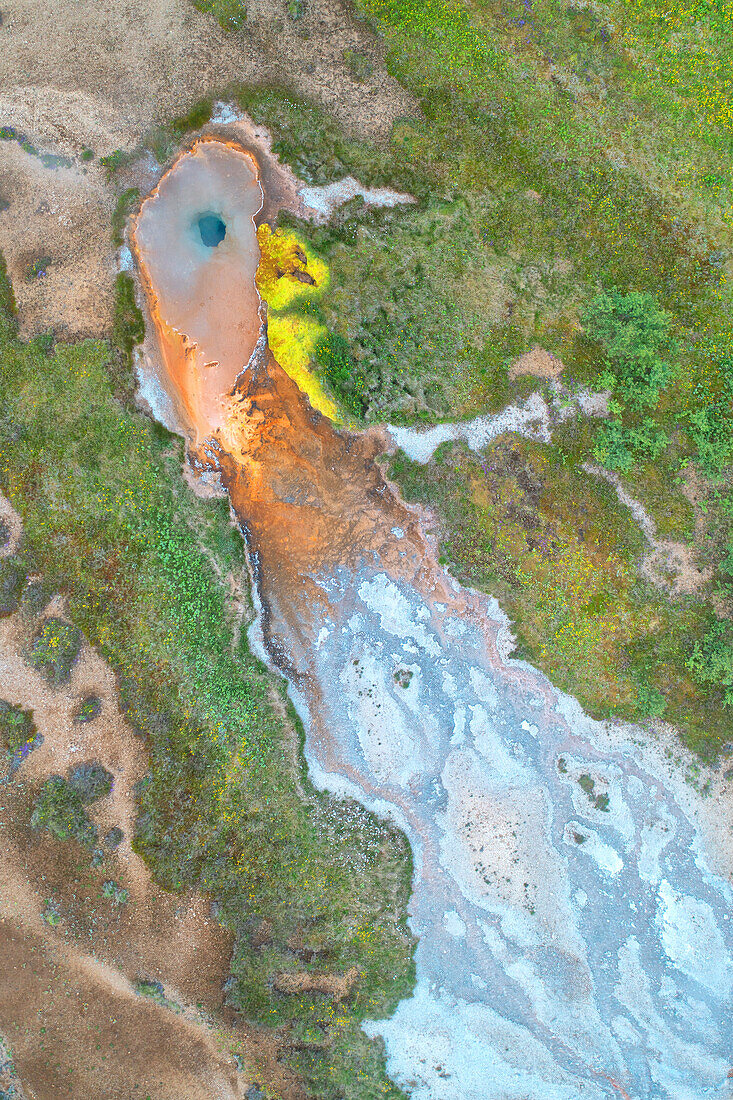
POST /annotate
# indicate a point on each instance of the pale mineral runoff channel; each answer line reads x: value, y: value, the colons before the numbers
x: 571, y: 895
x: 533, y: 418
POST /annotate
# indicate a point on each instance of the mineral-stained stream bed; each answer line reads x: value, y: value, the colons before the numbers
x: 574, y: 924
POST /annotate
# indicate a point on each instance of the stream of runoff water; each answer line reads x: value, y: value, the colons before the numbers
x: 573, y: 911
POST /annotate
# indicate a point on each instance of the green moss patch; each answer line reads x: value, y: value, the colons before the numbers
x: 59, y: 809
x: 54, y: 649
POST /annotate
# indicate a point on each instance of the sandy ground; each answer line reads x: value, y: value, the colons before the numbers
x: 537, y: 362
x: 63, y: 215
x: 75, y: 75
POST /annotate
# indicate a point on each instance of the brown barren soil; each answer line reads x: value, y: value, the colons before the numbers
x: 68, y: 1006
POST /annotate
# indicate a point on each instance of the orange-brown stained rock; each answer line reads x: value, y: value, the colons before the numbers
x: 203, y: 301
x: 310, y: 497
x: 311, y: 500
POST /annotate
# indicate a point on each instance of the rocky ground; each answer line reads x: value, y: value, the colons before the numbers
x: 73, y: 79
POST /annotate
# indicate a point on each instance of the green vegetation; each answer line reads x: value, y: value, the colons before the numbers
x: 360, y: 67
x: 115, y: 893
x: 194, y: 118
x: 148, y: 987
x: 226, y: 807
x: 60, y: 810
x: 89, y: 709
x: 162, y: 141
x: 128, y: 329
x: 90, y: 781
x: 51, y: 913
x: 60, y: 805
x: 34, y: 597
x: 44, y: 342
x: 630, y: 329
x: 54, y: 649
x: 313, y: 143
x: 17, y: 729
x: 38, y: 268
x: 231, y: 14
x: 7, y: 298
x: 115, y: 160
x: 711, y: 661
x: 48, y: 160
x: 114, y: 837
x: 620, y: 448
x: 12, y: 580
x: 126, y: 203
x: 710, y: 425
x: 338, y: 368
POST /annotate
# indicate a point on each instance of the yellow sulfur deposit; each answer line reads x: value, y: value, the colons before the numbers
x: 288, y: 276
x: 293, y: 339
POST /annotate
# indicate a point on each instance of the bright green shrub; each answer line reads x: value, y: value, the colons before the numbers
x: 612, y: 447
x: 711, y: 429
x: 711, y: 661
x: 648, y: 439
x: 631, y: 329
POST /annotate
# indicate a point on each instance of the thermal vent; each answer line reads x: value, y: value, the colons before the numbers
x: 212, y: 228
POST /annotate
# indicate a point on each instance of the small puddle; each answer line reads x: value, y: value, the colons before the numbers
x: 571, y: 943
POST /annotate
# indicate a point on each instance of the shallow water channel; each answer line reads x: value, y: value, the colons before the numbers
x: 575, y: 939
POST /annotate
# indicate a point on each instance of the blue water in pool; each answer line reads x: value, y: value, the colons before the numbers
x: 212, y: 230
